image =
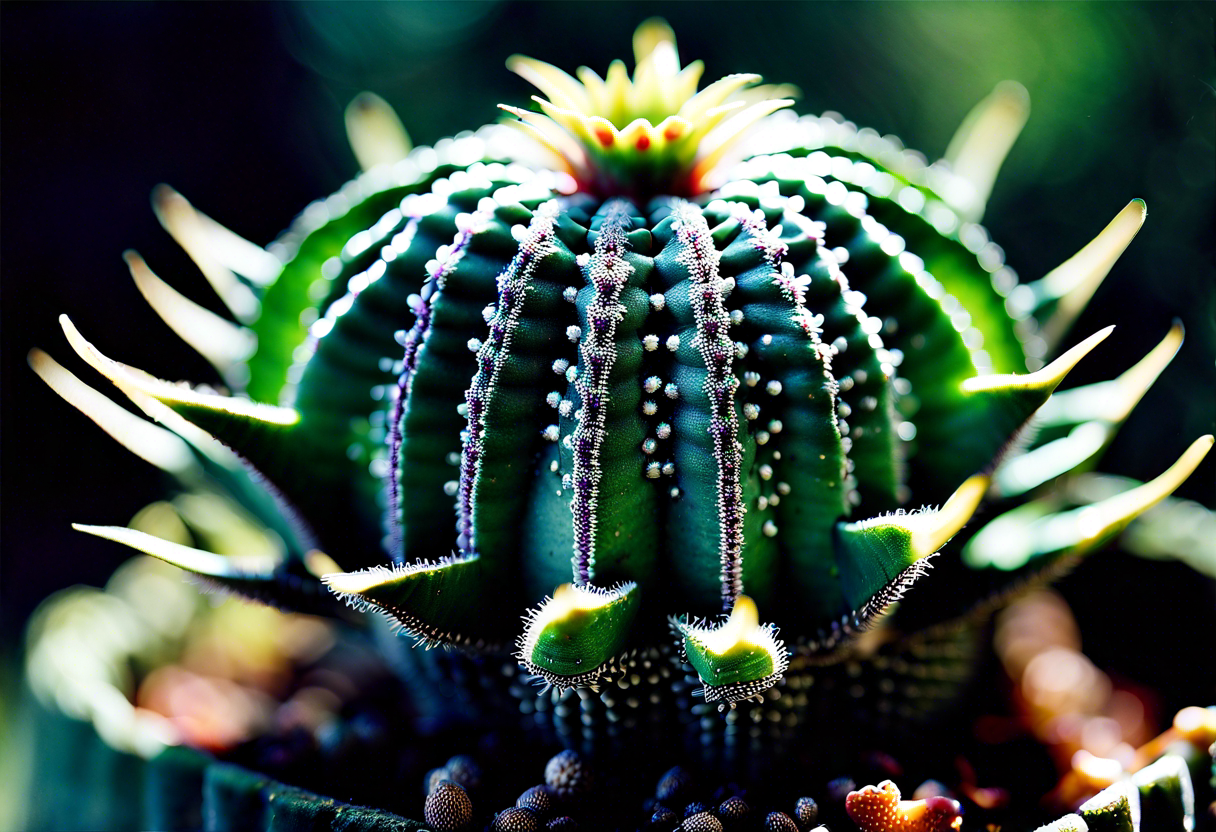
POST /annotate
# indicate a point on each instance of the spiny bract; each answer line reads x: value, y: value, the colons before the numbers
x: 660, y: 363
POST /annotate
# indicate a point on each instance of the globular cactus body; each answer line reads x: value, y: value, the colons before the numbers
x: 693, y: 362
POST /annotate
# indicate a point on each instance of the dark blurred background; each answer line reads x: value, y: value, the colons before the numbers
x: 240, y: 108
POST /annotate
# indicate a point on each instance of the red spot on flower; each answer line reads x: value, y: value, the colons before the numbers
x: 673, y: 131
x: 605, y: 136
x: 643, y: 141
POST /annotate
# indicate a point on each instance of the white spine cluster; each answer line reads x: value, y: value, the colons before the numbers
x: 535, y: 244
x: 608, y: 273
x: 713, y: 342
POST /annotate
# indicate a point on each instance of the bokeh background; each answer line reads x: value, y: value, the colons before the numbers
x: 240, y: 108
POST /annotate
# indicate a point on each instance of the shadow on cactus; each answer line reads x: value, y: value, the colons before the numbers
x: 644, y: 364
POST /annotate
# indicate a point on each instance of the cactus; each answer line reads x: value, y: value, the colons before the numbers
x: 644, y: 363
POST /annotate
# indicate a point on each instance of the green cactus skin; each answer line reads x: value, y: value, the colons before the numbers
x: 691, y: 386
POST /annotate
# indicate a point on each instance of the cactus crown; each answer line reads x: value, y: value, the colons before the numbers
x: 649, y: 135
x: 615, y: 409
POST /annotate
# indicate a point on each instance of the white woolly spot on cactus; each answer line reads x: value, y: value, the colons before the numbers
x: 766, y: 340
x: 574, y: 333
x: 463, y: 409
x: 792, y: 286
x: 673, y: 342
x: 774, y: 499
x: 653, y: 470
x: 762, y: 502
x: 769, y: 528
x: 853, y: 300
x: 571, y: 374
x: 841, y: 254
x: 751, y: 412
x: 474, y: 344
x: 650, y: 342
x: 553, y: 399
x: 649, y: 446
x: 607, y: 271
x: 554, y: 466
x: 663, y: 431
x: 552, y: 433
x: 697, y: 253
x: 658, y: 301
x: 741, y: 350
x: 565, y: 407
x: 570, y: 293
x: 536, y: 242
x: 751, y: 378
x: 669, y: 468
x: 451, y: 487
x: 773, y: 387
x: 736, y: 317
x: 560, y: 366
x: 906, y: 431
x: 649, y: 407
x: 652, y: 384
x: 674, y: 492
x: 811, y: 323
x: 671, y: 391
x: 766, y: 472
x: 775, y: 426
x: 762, y: 437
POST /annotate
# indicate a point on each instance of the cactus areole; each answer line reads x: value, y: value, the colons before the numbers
x: 645, y: 363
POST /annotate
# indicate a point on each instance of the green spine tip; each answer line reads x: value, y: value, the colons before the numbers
x: 737, y: 660
x: 189, y: 402
x: 1036, y: 386
x: 195, y: 561
x: 1098, y: 522
x: 573, y: 638
x: 880, y: 558
x: 1114, y: 809
x: 1096, y: 410
x: 1063, y: 292
x: 438, y: 604
x: 1112, y: 401
x: 225, y: 345
x: 153, y: 444
x: 992, y: 410
x: 1167, y: 796
x: 1033, y: 531
x: 262, y: 579
x: 980, y: 146
x: 196, y: 234
x: 375, y: 133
